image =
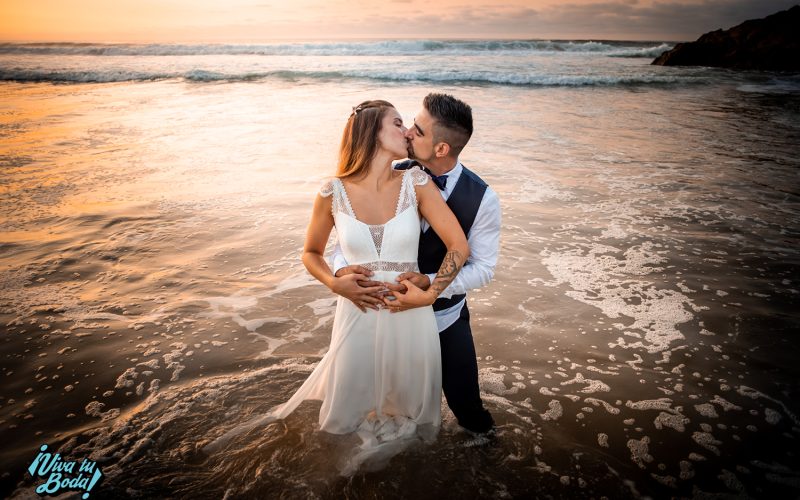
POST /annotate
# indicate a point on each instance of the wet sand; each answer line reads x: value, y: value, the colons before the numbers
x: 638, y: 339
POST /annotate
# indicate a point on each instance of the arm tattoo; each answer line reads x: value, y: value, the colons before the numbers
x: 450, y: 267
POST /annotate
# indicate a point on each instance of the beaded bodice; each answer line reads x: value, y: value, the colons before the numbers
x: 391, y: 246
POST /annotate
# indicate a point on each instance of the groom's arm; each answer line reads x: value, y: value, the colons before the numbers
x: 341, y: 267
x: 338, y: 259
x: 484, y: 245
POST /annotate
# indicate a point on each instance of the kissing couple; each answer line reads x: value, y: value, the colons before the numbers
x: 413, y: 237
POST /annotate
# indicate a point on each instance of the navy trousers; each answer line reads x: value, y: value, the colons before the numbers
x: 460, y: 375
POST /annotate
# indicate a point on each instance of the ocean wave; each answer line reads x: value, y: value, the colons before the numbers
x: 787, y: 85
x: 649, y: 52
x: 377, y: 48
x: 447, y: 77
x: 106, y: 76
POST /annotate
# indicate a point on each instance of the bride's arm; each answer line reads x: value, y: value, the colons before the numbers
x: 433, y: 208
x: 317, y: 234
x: 319, y: 230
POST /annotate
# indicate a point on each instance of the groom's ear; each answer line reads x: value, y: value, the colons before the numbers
x: 442, y: 149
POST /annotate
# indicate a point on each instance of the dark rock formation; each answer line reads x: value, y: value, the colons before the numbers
x: 772, y: 43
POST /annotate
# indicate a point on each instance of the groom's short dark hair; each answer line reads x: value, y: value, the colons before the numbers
x: 453, y: 121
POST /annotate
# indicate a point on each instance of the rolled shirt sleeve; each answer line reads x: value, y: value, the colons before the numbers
x: 337, y: 259
x: 484, y: 245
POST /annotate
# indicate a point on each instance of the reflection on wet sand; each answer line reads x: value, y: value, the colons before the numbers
x: 637, y: 339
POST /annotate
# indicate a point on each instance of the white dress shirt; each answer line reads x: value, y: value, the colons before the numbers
x: 484, y: 244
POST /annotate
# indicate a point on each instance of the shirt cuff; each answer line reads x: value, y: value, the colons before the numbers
x: 431, y: 277
x: 338, y: 263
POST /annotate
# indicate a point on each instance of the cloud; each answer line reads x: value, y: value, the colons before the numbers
x: 606, y: 19
x: 676, y: 20
x: 264, y: 20
x: 612, y: 19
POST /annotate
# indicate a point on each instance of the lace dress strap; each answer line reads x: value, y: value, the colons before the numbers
x: 339, y: 203
x: 329, y: 189
x: 418, y: 176
x: 326, y: 189
x: 414, y: 176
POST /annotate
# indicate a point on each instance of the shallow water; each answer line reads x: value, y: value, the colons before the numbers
x: 638, y: 339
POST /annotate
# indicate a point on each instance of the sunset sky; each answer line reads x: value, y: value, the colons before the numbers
x: 238, y: 21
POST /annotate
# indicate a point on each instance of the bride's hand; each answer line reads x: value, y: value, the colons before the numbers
x: 352, y: 287
x: 413, y: 297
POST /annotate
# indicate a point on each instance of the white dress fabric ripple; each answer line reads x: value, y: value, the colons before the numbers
x: 381, y: 376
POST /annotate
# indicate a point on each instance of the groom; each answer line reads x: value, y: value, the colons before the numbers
x: 441, y: 130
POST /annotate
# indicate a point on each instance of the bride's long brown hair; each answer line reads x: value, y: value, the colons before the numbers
x: 360, y: 138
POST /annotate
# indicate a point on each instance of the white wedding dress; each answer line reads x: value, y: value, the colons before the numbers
x: 381, y: 376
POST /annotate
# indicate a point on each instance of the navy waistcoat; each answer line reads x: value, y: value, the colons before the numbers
x: 464, y: 201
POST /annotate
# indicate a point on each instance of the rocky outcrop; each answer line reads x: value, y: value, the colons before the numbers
x: 772, y: 43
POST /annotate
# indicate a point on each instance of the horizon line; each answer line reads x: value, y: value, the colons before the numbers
x: 337, y: 39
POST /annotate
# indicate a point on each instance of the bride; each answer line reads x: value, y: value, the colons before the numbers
x: 381, y: 376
